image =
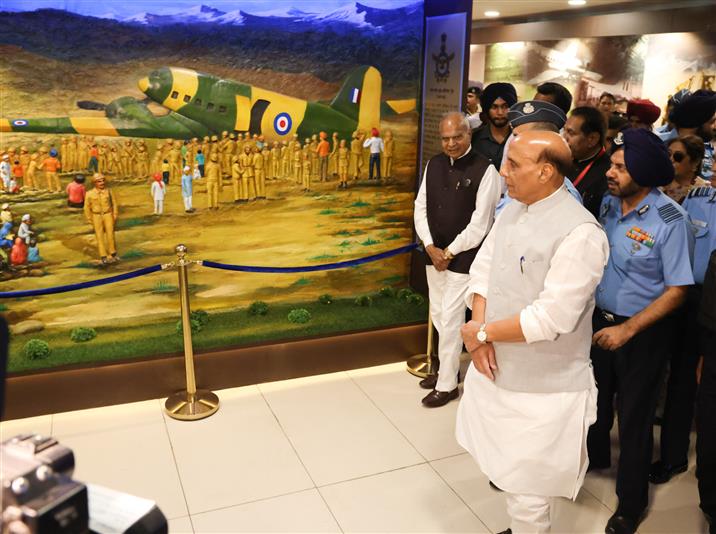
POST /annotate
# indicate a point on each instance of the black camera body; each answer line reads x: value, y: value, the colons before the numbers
x: 38, y: 493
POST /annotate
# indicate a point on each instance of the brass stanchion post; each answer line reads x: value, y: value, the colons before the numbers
x: 191, y: 404
x: 421, y: 365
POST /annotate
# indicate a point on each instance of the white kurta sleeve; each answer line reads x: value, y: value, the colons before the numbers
x: 420, y: 214
x: 576, y: 269
x: 488, y: 195
x: 480, y: 270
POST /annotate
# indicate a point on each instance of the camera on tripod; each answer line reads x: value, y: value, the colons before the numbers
x: 38, y: 493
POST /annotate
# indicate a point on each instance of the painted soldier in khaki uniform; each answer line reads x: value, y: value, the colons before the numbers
x: 291, y: 151
x: 297, y: 159
x: 225, y: 149
x: 356, y: 156
x: 306, y: 170
x: 51, y: 165
x: 388, y: 151
x: 285, y: 160
x: 101, y: 210
x: 175, y: 165
x: 275, y: 160
x: 126, y: 158
x: 24, y: 158
x: 71, y: 163
x: 342, y: 158
x: 102, y: 152
x: 259, y: 174
x: 333, y: 157
x: 247, y: 178
x: 30, y: 176
x: 236, y: 179
x: 213, y: 181
x: 142, y: 161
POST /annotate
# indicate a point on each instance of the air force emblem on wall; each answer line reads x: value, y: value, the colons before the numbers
x: 442, y: 61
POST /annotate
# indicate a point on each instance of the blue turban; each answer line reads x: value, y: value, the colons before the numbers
x: 645, y: 156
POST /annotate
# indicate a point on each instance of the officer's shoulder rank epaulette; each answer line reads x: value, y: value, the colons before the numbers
x: 702, y: 191
x: 670, y: 213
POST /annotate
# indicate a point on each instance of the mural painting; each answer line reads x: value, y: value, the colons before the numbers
x: 236, y: 130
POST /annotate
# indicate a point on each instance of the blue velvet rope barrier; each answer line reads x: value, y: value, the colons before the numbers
x: 81, y: 285
x: 310, y: 268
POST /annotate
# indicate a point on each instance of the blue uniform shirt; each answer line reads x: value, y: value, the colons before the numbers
x: 701, y: 206
x: 650, y: 248
x: 186, y: 184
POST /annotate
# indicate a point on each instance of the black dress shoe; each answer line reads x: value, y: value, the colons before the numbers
x: 436, y: 398
x: 508, y: 531
x: 661, y: 473
x: 621, y: 524
x: 429, y: 382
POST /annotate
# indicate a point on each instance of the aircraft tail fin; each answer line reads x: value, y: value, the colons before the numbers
x: 359, y: 98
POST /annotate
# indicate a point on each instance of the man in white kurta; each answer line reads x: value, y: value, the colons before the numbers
x: 454, y: 210
x: 530, y: 395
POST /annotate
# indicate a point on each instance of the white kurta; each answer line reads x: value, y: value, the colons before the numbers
x: 535, y: 443
x: 531, y: 443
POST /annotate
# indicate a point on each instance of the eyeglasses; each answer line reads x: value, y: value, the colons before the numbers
x: 678, y: 157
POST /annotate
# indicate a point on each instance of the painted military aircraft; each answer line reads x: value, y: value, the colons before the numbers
x: 202, y: 104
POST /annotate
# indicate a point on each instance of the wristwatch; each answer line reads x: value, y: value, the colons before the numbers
x: 482, y: 334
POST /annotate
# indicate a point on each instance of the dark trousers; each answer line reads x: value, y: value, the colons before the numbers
x: 681, y: 385
x: 93, y: 165
x: 201, y: 169
x: 374, y: 162
x: 706, y: 435
x: 165, y: 177
x: 632, y: 373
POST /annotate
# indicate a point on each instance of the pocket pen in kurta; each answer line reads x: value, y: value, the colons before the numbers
x: 522, y: 261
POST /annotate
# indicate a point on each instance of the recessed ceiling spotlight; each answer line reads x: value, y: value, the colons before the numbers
x: 492, y: 14
x: 576, y: 2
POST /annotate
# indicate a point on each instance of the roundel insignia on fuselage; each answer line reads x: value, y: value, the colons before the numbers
x: 19, y: 122
x: 282, y: 123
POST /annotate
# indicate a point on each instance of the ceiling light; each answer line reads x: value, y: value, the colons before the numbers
x: 492, y: 14
x: 577, y: 2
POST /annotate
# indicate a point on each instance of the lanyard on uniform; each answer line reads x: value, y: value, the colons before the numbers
x: 586, y: 169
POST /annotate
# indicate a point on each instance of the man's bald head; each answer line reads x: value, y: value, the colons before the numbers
x: 536, y: 164
x: 455, y: 134
x: 548, y: 147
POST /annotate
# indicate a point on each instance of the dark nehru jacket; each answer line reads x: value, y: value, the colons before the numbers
x: 451, y: 191
x: 592, y: 184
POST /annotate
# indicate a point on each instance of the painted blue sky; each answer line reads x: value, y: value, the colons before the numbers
x: 126, y: 8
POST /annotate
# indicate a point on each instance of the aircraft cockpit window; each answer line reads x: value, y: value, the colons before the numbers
x: 210, y: 106
x: 187, y: 99
x: 175, y: 94
x: 197, y: 102
x: 222, y: 109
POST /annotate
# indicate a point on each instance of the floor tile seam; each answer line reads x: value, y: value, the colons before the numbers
x: 585, y: 488
x: 178, y: 471
x: 253, y: 501
x: 463, y: 501
x: 369, y: 475
x: 372, y: 401
x: 105, y: 430
x: 449, y: 456
x: 288, y: 438
x: 298, y: 456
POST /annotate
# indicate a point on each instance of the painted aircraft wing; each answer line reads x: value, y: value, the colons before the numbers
x: 124, y: 117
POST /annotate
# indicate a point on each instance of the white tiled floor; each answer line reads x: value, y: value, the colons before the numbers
x: 345, y: 452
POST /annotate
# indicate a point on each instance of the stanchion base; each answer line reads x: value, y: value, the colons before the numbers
x: 187, y: 407
x: 420, y: 365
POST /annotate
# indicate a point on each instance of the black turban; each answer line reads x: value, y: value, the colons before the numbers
x: 505, y: 91
x: 694, y: 110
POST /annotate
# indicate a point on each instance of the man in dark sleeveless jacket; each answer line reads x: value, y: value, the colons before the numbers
x: 454, y: 211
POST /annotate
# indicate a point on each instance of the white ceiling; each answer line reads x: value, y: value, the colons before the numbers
x: 521, y: 8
